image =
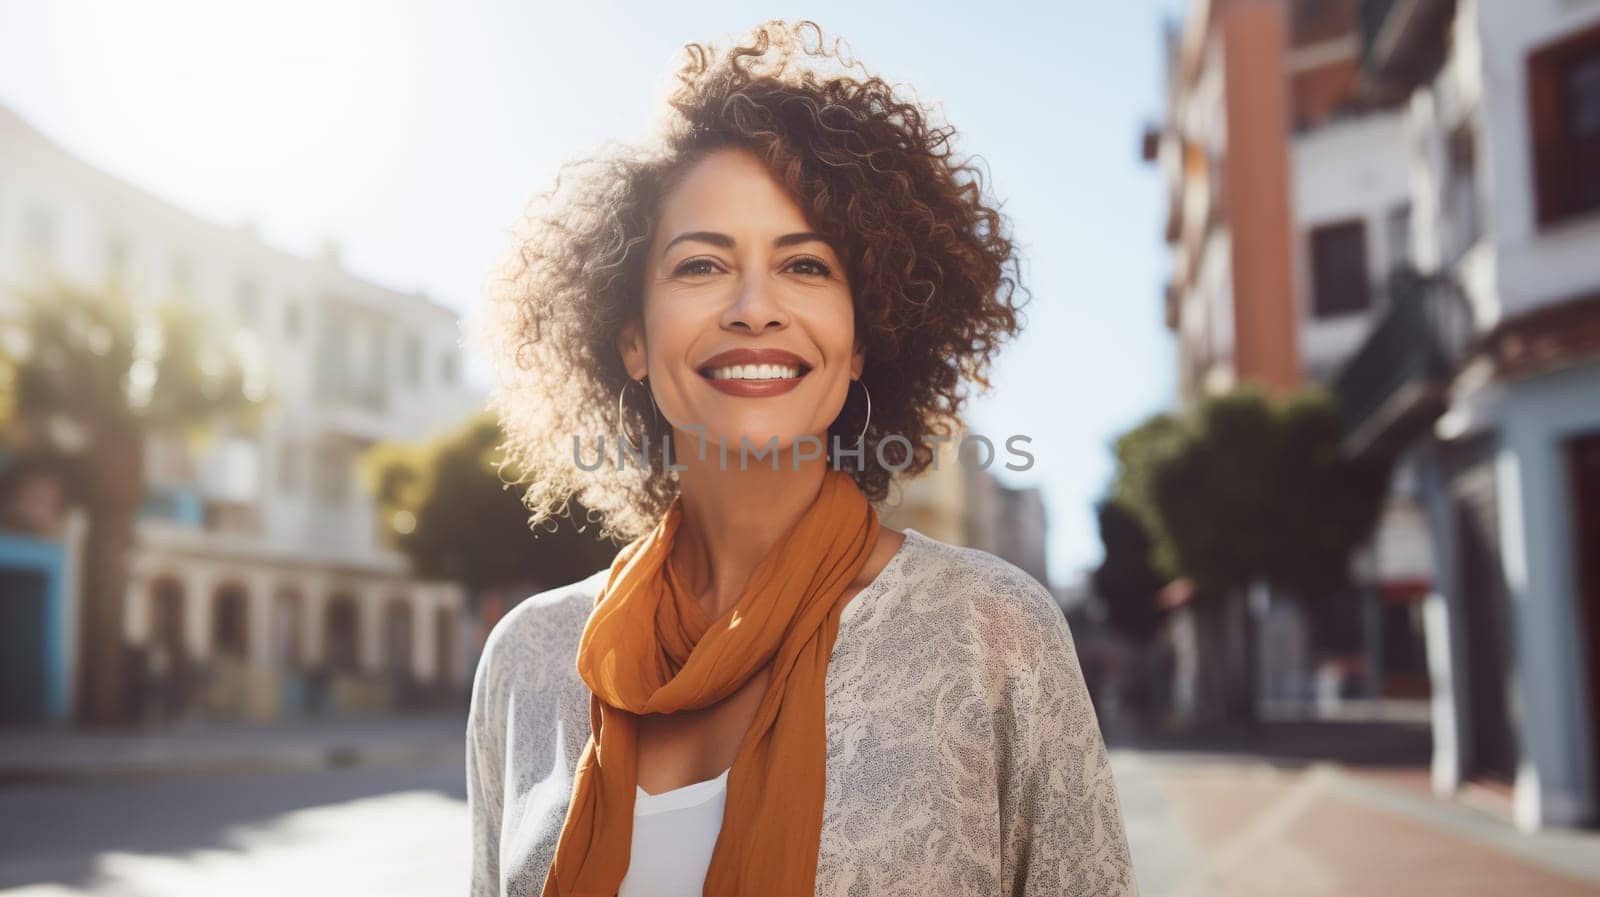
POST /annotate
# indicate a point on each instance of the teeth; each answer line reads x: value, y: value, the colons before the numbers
x: 755, y: 372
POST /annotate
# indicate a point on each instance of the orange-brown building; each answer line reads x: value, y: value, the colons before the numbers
x: 1224, y: 150
x: 1288, y: 205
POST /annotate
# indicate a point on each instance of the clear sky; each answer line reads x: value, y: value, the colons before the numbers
x: 413, y: 133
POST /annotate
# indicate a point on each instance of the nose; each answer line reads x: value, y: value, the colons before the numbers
x: 755, y: 308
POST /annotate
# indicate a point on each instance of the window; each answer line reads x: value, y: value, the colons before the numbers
x: 1398, y: 226
x: 117, y: 253
x: 1463, y: 221
x: 288, y: 467
x: 1564, y: 109
x: 1583, y: 123
x: 183, y: 277
x: 39, y: 235
x: 353, y: 357
x: 286, y: 650
x: 229, y: 627
x: 1339, y: 279
x: 247, y: 303
x: 333, y: 476
x: 413, y: 360
x: 397, y: 625
x: 341, y: 637
x: 166, y: 619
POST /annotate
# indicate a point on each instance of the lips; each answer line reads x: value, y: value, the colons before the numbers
x: 753, y: 356
x: 754, y: 372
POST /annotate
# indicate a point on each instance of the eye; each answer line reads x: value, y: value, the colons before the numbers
x: 694, y: 267
x: 816, y: 266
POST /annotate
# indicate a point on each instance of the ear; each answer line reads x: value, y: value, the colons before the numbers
x: 858, y: 361
x: 630, y: 346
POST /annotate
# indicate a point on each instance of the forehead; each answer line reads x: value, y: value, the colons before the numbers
x: 731, y: 191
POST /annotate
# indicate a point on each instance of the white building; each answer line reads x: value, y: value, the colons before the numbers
x: 260, y: 558
x: 1352, y: 222
x: 1487, y: 379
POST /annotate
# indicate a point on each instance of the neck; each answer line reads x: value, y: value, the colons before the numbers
x: 732, y: 518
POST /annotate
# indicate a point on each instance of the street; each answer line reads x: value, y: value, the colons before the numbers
x: 370, y: 830
x: 1200, y: 825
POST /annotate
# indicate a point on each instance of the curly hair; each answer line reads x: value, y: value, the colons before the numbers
x: 934, y: 274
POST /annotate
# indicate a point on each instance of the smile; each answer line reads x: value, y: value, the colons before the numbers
x: 754, y: 372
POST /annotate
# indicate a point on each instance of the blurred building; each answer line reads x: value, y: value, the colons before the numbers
x: 1483, y: 376
x: 1008, y: 522
x: 1288, y: 203
x: 934, y: 503
x: 964, y: 503
x: 259, y: 585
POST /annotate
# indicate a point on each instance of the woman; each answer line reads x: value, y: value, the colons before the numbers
x: 769, y: 692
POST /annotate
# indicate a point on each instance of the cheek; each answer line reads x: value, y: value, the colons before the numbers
x: 670, y: 337
x: 669, y: 331
x: 834, y: 329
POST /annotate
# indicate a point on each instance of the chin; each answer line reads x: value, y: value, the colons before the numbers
x: 756, y: 436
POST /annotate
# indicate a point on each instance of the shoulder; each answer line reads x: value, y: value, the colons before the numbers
x: 991, y: 620
x: 535, y: 640
x: 990, y: 590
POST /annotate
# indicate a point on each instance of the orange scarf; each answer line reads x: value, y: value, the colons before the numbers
x: 649, y: 647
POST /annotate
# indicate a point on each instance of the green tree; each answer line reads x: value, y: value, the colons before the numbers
x: 1141, y: 453
x: 445, y: 505
x: 86, y: 375
x: 1244, y: 489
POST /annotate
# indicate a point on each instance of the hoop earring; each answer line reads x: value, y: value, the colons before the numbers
x: 622, y: 427
x: 862, y: 439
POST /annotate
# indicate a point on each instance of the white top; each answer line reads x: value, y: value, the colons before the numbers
x: 963, y: 755
x: 673, y: 835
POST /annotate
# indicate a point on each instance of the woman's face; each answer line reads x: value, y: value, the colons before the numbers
x: 748, y: 326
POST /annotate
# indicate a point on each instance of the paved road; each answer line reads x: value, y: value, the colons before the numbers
x: 361, y: 830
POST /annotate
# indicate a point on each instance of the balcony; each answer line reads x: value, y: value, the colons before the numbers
x: 1395, y: 385
x: 177, y: 504
x: 1403, y: 43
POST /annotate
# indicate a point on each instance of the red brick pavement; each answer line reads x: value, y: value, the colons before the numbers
x: 1266, y: 831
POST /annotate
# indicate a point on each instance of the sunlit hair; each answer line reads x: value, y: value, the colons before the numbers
x: 933, y: 271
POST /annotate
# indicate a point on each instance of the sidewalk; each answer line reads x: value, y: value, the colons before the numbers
x: 1264, y: 814
x: 60, y: 755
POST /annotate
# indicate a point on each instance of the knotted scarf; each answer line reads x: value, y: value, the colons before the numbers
x: 650, y: 647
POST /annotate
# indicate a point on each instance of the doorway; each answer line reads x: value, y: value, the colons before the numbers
x: 24, y: 668
x: 1491, y: 740
x: 1583, y: 457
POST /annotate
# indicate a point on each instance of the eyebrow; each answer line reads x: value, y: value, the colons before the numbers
x: 726, y: 242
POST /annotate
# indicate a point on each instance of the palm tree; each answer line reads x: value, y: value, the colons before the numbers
x: 87, y: 375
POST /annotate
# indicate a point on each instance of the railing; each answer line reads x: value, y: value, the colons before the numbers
x: 1373, y: 13
x: 1394, y: 385
x: 177, y: 504
x: 1403, y: 42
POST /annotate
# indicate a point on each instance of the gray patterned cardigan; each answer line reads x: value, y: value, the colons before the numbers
x: 964, y: 757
